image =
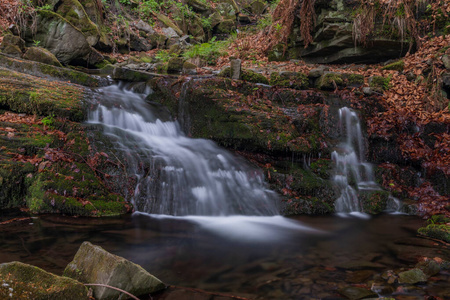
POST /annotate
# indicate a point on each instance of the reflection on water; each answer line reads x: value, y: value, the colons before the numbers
x: 265, y: 257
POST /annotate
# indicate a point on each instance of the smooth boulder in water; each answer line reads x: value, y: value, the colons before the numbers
x: 94, y: 265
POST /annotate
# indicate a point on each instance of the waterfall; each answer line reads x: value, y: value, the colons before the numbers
x: 352, y: 172
x: 174, y: 174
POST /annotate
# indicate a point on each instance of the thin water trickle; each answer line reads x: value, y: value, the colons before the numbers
x: 184, y: 176
x: 353, y: 173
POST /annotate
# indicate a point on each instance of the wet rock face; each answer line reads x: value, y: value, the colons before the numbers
x: 23, y: 281
x: 92, y: 264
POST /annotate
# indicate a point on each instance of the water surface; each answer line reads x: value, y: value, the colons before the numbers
x: 256, y: 257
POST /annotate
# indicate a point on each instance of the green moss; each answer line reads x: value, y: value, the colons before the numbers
x: 247, y: 75
x: 436, y: 231
x: 21, y: 281
x: 35, y: 197
x: 102, y: 64
x: 379, y: 82
x: 13, y: 182
x: 292, y: 80
x: 322, y: 168
x: 74, y: 13
x: 45, y: 70
x: 397, y: 66
x: 354, y: 80
x: 373, y: 202
x: 251, y: 76
x: 330, y: 81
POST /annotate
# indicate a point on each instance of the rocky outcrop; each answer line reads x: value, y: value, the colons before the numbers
x: 334, y: 37
x: 64, y: 40
x: 46, y: 161
x: 22, y: 281
x: 92, y: 264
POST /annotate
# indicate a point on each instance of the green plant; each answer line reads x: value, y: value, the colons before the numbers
x: 164, y: 55
x: 36, y: 43
x: 45, y: 7
x: 48, y: 121
x: 264, y: 22
x: 208, y: 51
x: 206, y: 23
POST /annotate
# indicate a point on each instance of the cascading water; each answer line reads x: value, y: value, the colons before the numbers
x: 351, y: 168
x: 177, y: 175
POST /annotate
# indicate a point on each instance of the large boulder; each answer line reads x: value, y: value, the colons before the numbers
x: 64, y: 40
x: 23, y: 281
x: 92, y: 264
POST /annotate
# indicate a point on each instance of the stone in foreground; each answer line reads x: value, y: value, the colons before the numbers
x: 92, y: 264
x: 23, y: 281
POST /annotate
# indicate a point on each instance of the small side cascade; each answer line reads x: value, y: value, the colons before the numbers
x: 352, y: 172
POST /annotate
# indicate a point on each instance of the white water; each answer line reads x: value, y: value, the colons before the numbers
x: 353, y: 173
x: 177, y: 175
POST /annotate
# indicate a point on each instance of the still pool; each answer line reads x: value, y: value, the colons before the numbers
x: 254, y: 257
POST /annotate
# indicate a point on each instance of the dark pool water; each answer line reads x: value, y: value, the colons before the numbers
x: 264, y: 258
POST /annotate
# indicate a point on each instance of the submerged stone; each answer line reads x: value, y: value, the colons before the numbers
x: 412, y: 276
x: 23, y: 281
x: 354, y: 293
x: 92, y: 264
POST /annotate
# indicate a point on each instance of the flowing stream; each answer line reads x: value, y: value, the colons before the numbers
x: 185, y: 176
x: 352, y: 171
x: 206, y: 220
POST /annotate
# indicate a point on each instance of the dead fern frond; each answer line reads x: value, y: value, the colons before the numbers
x: 284, y: 17
x: 364, y: 23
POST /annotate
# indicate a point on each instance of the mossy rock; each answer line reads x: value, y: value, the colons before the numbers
x: 92, y: 264
x: 374, y: 202
x: 126, y: 74
x: 166, y: 21
x: 330, y: 81
x: 189, y: 68
x: 247, y: 75
x: 396, y: 66
x: 322, y: 168
x: 23, y: 281
x: 13, y: 182
x: 234, y: 117
x: 252, y: 76
x: 33, y: 95
x: 379, y: 83
x: 12, y: 50
x: 225, y: 27
x: 9, y: 39
x: 48, y: 71
x: 293, y: 80
x: 353, y: 80
x: 175, y: 65
x: 200, y: 6
x: 41, y: 55
x: 74, y: 12
x: 436, y: 231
